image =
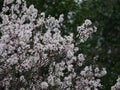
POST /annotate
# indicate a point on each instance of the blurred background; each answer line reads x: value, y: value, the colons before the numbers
x: 103, y: 48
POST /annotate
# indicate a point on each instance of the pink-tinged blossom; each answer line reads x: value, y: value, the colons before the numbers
x: 117, y: 85
x: 34, y: 55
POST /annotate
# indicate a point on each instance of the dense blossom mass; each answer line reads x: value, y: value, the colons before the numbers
x: 35, y: 55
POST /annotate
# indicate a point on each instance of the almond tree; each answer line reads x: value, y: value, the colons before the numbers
x: 35, y: 55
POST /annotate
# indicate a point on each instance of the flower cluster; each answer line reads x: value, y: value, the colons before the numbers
x: 117, y: 85
x: 85, y: 30
x: 88, y: 78
x: 34, y: 55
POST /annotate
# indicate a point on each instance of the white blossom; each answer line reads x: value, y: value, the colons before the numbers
x: 117, y: 85
x: 44, y: 85
x: 34, y: 54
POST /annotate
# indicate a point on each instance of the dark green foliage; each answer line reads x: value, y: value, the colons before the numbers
x: 106, y: 16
